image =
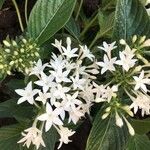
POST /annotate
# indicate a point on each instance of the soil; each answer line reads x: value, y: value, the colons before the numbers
x: 9, y: 26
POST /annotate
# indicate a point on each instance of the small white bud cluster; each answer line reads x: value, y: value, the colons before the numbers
x: 18, y: 55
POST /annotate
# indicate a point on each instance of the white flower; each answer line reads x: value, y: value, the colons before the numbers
x: 108, y: 48
x: 142, y: 101
x: 64, y: 133
x: 125, y: 61
x: 110, y: 92
x: 108, y: 64
x: 58, y: 45
x: 38, y: 69
x: 61, y: 91
x: 141, y: 81
x: 51, y: 117
x: 72, y: 102
x: 61, y: 76
x: 57, y: 63
x: 88, y: 93
x: 43, y: 97
x: 75, y: 115
x: 30, y: 136
x: 86, y: 53
x: 39, y: 141
x: 45, y: 82
x: 129, y: 52
x: 78, y: 83
x: 100, y: 91
x: 27, y: 94
x: 69, y: 52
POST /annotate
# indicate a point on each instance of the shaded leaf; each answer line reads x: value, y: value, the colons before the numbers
x: 141, y: 126
x: 73, y: 28
x: 138, y: 142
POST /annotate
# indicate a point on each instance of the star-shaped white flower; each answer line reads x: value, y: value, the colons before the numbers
x: 125, y: 61
x: 142, y: 101
x: 58, y: 45
x: 45, y: 82
x: 141, y: 81
x: 43, y: 97
x: 64, y: 133
x: 61, y: 76
x: 108, y: 48
x: 69, y: 52
x: 29, y: 136
x: 38, y: 69
x: 27, y: 94
x: 39, y: 141
x: 57, y: 62
x: 78, y: 83
x: 86, y: 53
x: 51, y: 117
x: 61, y: 91
x: 108, y: 64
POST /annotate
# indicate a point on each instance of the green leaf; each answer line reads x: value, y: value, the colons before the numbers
x: 9, y: 136
x: 105, y: 135
x: 138, y: 142
x: 47, y: 17
x: 73, y: 28
x: 141, y: 126
x: 131, y: 19
x: 1, y: 3
x: 106, y: 22
x: 10, y: 108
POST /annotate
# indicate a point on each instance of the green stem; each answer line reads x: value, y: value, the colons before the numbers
x: 79, y: 10
x: 18, y: 14
x: 89, y: 25
x: 99, y: 36
x: 93, y: 42
x: 26, y: 11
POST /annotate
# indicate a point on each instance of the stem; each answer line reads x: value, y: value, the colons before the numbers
x: 99, y: 36
x: 88, y: 25
x: 93, y: 42
x: 79, y: 10
x: 26, y: 11
x: 18, y: 14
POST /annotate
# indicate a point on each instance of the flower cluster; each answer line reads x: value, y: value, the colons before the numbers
x: 18, y: 55
x: 66, y: 87
x: 128, y: 77
x: 62, y: 89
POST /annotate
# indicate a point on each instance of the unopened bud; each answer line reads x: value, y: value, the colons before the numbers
x: 6, y: 43
x: 7, y: 50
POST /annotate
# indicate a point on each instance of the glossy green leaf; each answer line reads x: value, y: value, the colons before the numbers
x: 138, y: 142
x: 73, y: 28
x: 131, y: 18
x: 47, y: 17
x: 105, y: 135
x: 141, y: 126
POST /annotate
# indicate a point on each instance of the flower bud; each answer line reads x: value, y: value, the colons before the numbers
x: 6, y: 43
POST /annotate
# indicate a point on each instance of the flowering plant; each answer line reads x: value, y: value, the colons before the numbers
x: 66, y: 79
